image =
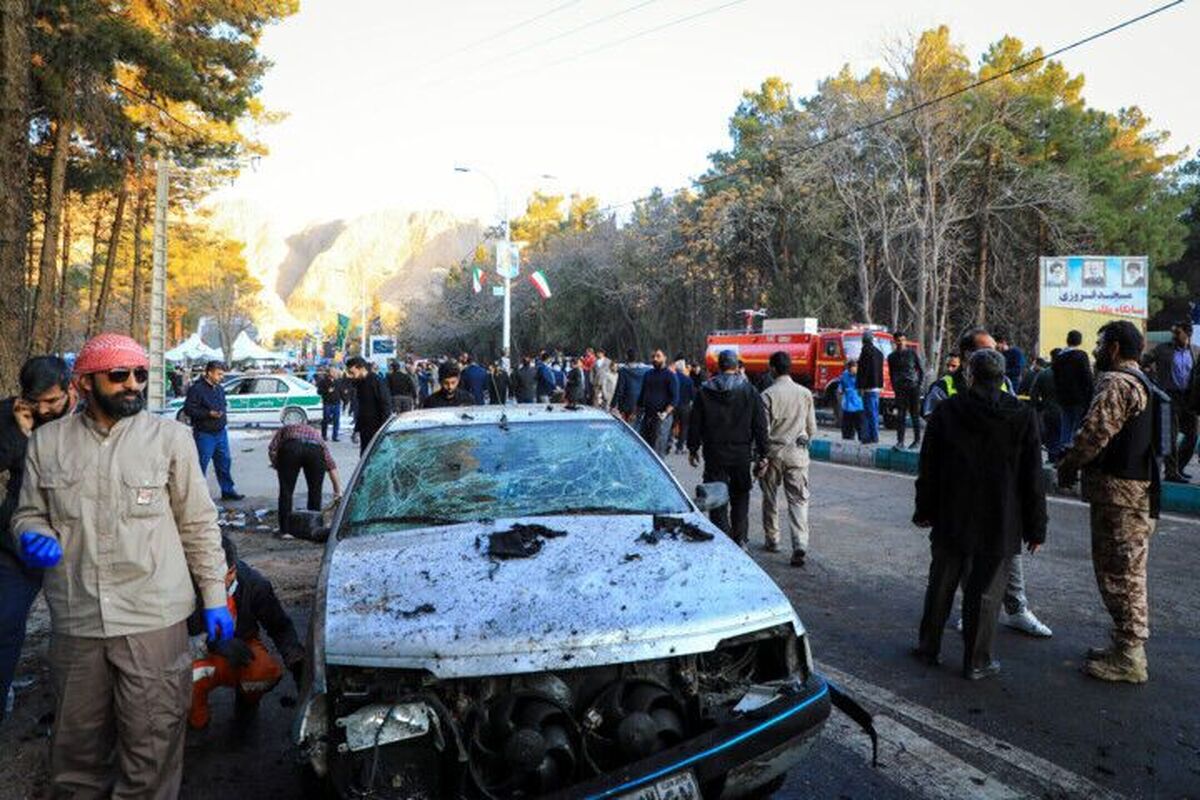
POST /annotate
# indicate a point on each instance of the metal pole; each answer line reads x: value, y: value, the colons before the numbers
x: 363, y: 301
x: 158, y: 289
x: 504, y: 351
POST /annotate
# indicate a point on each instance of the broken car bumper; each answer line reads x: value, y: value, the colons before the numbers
x: 728, y: 761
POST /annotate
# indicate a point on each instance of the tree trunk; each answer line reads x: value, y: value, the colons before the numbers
x: 42, y: 340
x: 61, y: 300
x: 14, y: 180
x: 110, y: 259
x: 94, y: 263
x: 139, y: 223
x: 981, y: 264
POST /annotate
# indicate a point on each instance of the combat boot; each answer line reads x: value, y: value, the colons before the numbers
x: 1099, y: 653
x: 1123, y: 663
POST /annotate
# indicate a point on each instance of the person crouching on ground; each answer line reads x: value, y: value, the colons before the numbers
x: 242, y: 661
x: 980, y: 491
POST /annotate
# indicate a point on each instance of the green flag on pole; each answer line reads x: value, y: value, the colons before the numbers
x: 343, y: 328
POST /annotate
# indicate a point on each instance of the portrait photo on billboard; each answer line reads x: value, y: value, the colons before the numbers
x: 1133, y: 273
x: 1095, y: 273
x: 1056, y: 273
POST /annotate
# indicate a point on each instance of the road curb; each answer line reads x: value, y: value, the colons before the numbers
x: 1177, y: 498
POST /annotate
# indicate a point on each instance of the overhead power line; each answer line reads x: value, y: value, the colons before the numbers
x: 504, y: 32
x: 569, y: 32
x: 646, y: 32
x: 145, y: 98
x: 704, y: 181
x: 622, y: 40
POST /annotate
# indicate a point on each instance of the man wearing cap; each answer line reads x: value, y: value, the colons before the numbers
x: 115, y: 509
x: 730, y: 423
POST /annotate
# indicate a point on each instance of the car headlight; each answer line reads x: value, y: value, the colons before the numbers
x: 383, y: 723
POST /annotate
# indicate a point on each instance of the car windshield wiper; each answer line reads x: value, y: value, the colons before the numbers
x: 593, y: 510
x: 420, y: 519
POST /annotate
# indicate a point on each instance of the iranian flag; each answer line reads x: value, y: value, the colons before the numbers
x: 477, y: 280
x: 539, y: 282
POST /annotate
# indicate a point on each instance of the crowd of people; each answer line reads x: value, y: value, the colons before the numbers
x: 107, y: 510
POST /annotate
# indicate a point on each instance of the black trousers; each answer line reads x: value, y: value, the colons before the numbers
x: 908, y: 402
x: 1183, y: 423
x: 983, y: 579
x: 294, y: 457
x: 683, y: 416
x: 737, y: 478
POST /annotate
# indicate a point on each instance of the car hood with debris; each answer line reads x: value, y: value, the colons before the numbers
x: 433, y: 599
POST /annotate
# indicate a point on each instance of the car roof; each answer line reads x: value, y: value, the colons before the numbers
x: 490, y: 415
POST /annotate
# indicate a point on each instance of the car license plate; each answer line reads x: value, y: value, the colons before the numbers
x: 677, y: 787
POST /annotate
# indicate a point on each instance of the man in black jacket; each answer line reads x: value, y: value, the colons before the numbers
x: 730, y: 423
x: 451, y: 394
x: 525, y: 381
x: 206, y: 408
x: 657, y: 400
x: 329, y: 386
x: 242, y: 661
x: 46, y: 395
x: 870, y: 385
x: 908, y: 376
x: 1073, y: 385
x: 1173, y: 365
x: 402, y: 387
x: 374, y: 403
x: 981, y: 492
x: 498, y: 384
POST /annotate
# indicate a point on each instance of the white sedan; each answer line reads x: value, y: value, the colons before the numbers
x: 264, y: 399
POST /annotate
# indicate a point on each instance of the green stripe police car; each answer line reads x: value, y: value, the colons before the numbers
x: 264, y: 399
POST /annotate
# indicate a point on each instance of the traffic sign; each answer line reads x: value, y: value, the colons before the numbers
x: 497, y: 291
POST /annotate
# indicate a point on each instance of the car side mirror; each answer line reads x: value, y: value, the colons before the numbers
x: 711, y: 496
x: 308, y: 525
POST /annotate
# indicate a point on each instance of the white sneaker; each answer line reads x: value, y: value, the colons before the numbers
x: 1025, y: 622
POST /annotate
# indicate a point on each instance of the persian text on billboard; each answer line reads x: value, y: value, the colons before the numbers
x: 1113, y: 285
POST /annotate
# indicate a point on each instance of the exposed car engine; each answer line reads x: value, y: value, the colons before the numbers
x: 404, y: 735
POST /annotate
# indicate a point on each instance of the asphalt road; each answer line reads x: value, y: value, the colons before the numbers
x: 1041, y: 729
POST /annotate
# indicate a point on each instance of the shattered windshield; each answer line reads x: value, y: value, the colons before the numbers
x: 472, y: 472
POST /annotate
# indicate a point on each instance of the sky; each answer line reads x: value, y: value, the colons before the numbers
x: 385, y: 97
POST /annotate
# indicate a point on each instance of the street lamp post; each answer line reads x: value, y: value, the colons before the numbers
x: 502, y: 202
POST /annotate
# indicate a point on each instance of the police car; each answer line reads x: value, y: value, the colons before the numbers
x: 263, y: 399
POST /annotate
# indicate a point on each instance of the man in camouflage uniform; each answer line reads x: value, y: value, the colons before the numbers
x: 1114, y: 447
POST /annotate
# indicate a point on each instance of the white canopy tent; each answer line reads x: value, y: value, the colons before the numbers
x: 246, y: 349
x: 193, y: 349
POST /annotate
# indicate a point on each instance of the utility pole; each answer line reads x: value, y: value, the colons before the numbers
x: 158, y: 289
x: 506, y: 357
x: 363, y: 300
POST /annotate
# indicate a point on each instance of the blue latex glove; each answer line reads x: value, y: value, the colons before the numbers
x: 40, y: 550
x: 219, y: 623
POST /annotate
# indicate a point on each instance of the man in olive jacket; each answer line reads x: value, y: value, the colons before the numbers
x: 980, y: 490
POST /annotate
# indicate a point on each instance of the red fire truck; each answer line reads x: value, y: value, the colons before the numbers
x: 818, y: 355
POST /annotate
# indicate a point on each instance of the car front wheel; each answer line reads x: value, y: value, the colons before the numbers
x: 294, y: 416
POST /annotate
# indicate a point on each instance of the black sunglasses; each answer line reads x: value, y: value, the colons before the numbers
x: 140, y: 374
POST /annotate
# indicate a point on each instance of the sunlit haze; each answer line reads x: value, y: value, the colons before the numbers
x: 384, y: 98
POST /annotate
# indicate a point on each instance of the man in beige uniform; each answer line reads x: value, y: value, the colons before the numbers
x: 792, y: 423
x: 1115, y: 448
x: 115, y: 507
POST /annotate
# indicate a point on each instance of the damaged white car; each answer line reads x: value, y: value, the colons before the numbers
x: 521, y: 602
